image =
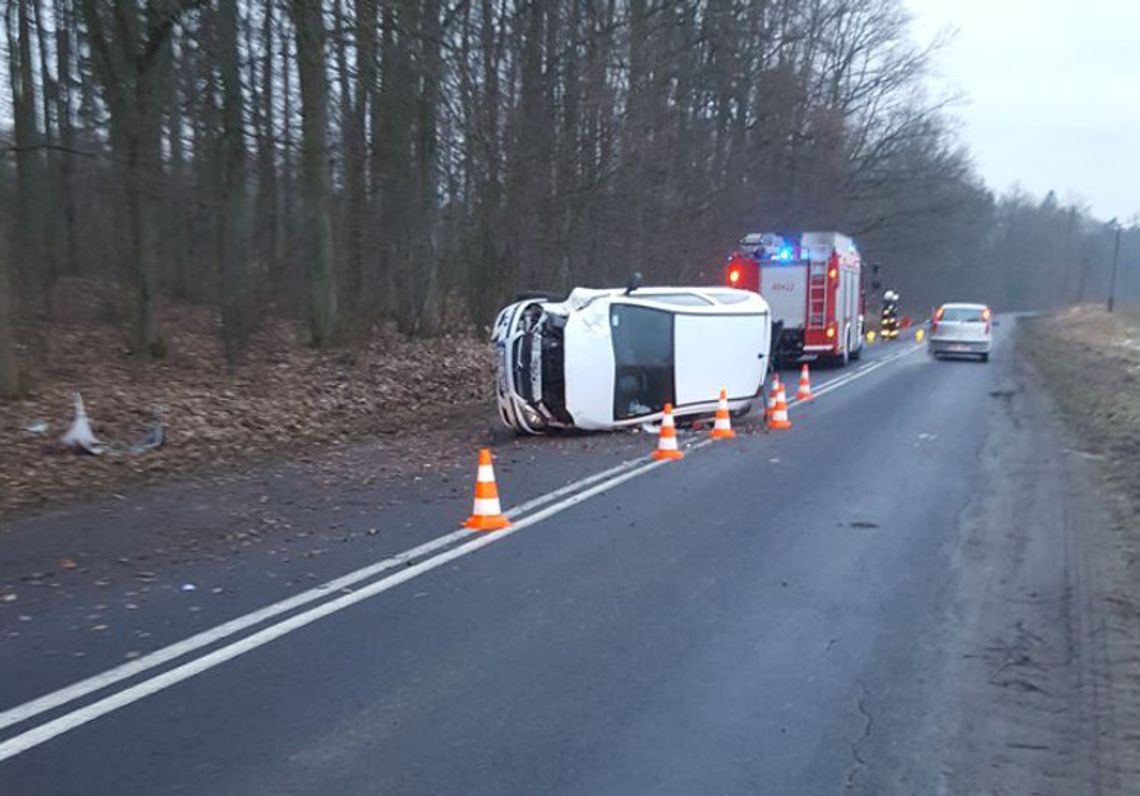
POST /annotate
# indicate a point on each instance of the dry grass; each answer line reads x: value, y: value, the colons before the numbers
x: 286, y: 398
x: 1092, y: 362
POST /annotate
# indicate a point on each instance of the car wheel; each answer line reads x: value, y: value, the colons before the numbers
x: 985, y: 357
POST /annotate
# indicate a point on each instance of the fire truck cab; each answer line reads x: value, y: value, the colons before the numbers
x: 813, y: 284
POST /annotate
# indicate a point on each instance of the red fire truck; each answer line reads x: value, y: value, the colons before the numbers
x: 813, y: 284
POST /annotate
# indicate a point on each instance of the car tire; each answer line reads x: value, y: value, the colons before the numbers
x: 985, y: 357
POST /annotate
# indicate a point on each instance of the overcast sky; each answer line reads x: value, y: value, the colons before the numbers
x: 1051, y: 93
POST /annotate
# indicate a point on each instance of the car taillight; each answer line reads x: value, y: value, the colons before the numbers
x: 830, y: 331
x: 733, y: 276
x: 937, y: 317
x: 986, y: 315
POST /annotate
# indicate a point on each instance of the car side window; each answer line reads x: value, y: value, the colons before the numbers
x: 643, y: 360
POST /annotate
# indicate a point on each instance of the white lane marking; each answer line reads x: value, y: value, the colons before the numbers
x: 36, y: 735
x: 124, y: 671
x: 77, y: 718
x: 847, y: 378
x: 206, y: 637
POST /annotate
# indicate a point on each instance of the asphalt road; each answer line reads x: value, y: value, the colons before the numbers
x: 778, y: 614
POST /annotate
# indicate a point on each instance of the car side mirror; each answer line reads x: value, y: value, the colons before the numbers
x: 634, y: 282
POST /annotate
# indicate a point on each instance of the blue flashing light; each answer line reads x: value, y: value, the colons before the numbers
x: 784, y: 253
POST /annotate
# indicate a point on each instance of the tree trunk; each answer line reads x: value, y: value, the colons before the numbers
x: 310, y: 32
x: 234, y: 262
x: 9, y: 372
x: 425, y: 254
x: 28, y: 229
x: 64, y: 23
x: 129, y: 49
x: 268, y: 211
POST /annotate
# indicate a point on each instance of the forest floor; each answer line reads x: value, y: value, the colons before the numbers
x: 284, y: 400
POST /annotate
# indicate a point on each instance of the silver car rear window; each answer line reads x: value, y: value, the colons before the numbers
x: 962, y: 314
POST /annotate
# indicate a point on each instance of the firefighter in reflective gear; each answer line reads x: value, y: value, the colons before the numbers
x: 889, y: 322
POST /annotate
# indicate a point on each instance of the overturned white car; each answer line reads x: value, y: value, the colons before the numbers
x: 603, y: 359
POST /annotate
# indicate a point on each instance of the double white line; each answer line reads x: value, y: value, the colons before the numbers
x: 414, y: 562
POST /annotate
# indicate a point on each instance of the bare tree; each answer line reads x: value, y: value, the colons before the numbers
x: 128, y: 44
x: 309, y: 24
x: 233, y: 239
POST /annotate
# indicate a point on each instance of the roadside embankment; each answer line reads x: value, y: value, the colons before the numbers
x: 1091, y: 361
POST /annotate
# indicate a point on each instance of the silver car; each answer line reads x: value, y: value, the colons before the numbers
x: 961, y: 329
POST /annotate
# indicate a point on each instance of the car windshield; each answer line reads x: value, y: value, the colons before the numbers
x: 643, y: 358
x: 962, y: 314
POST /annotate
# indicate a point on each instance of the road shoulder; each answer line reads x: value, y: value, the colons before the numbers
x: 1047, y: 660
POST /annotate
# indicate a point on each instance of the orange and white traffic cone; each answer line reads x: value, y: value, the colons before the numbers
x: 804, y: 392
x: 778, y: 419
x: 773, y: 393
x: 667, y: 441
x: 487, y: 514
x: 722, y: 427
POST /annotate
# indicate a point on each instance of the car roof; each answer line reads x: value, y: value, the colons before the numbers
x: 964, y: 305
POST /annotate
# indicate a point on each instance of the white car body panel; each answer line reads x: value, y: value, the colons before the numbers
x: 721, y: 338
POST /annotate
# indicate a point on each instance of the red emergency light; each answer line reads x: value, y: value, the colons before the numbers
x: 743, y: 272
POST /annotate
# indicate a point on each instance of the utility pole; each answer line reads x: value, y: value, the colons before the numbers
x: 1112, y: 279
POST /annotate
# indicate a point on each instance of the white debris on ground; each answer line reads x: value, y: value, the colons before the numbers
x: 79, y: 437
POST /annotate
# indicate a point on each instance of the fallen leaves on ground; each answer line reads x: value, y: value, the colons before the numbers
x: 286, y: 397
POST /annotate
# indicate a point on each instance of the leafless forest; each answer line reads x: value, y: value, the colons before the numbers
x: 417, y: 162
